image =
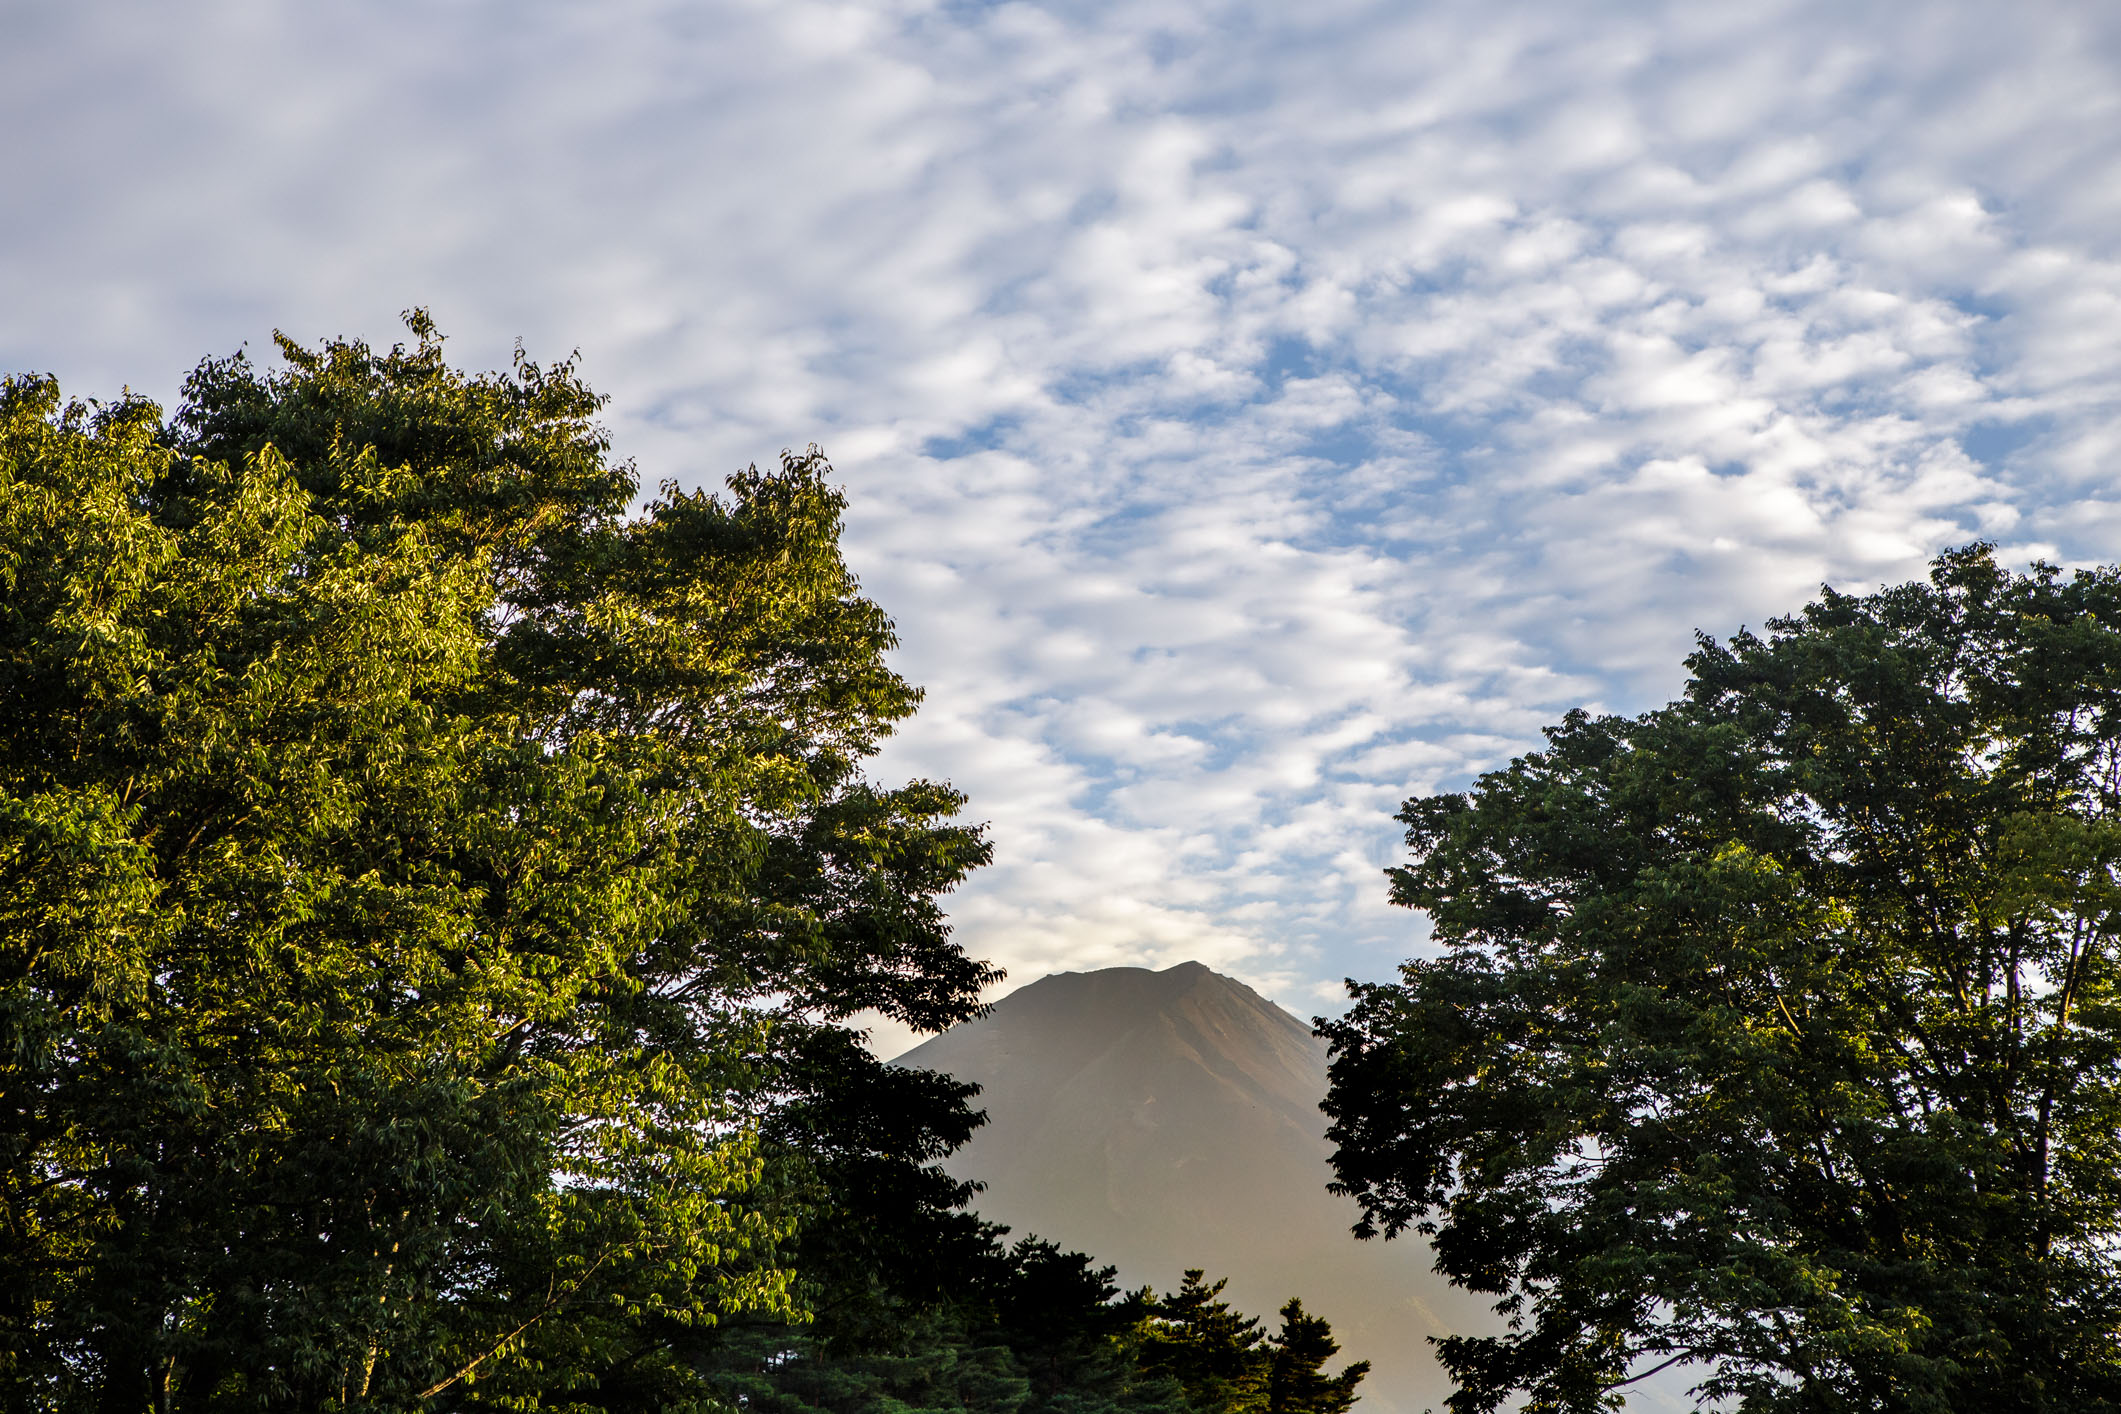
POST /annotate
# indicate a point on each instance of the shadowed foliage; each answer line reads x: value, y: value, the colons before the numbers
x: 1031, y: 1329
x: 1775, y: 1032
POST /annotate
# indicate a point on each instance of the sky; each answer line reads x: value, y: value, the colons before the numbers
x: 1253, y: 415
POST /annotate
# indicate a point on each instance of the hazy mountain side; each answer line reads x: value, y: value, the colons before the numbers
x: 1161, y: 1120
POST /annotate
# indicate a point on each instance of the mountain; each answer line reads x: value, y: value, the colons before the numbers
x: 1165, y: 1120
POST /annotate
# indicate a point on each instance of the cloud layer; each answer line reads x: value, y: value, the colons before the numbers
x: 1254, y: 414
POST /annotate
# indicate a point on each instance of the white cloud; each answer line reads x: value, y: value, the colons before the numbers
x: 1252, y: 414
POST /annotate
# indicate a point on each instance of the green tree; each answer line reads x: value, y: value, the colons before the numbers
x: 1075, y: 1338
x: 1297, y: 1382
x: 1211, y: 1350
x: 1023, y: 1329
x: 933, y: 1364
x: 1775, y: 1033
x: 424, y: 879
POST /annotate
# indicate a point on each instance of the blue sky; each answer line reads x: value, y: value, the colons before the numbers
x: 1253, y: 413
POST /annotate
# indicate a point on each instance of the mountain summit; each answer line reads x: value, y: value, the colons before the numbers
x: 1165, y: 1120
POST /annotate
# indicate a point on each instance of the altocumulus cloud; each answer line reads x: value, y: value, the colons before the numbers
x: 1254, y: 413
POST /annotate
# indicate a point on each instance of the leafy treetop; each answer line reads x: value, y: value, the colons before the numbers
x: 425, y: 880
x: 1775, y: 1032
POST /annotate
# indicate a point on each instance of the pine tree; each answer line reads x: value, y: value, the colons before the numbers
x: 1297, y: 1382
x: 1211, y: 1350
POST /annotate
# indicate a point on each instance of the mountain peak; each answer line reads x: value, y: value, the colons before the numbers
x: 1164, y: 1024
x: 1165, y: 1120
x: 1119, y: 978
x: 1135, y: 986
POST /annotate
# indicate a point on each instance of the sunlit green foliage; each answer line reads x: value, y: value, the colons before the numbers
x: 1776, y: 1032
x: 422, y: 875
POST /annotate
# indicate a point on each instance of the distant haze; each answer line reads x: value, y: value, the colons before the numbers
x: 1165, y: 1120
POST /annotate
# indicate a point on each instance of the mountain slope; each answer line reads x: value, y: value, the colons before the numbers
x: 1162, y: 1120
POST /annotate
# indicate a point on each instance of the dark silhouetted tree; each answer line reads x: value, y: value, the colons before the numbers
x: 1297, y: 1382
x: 1777, y: 1031
x: 1212, y: 1351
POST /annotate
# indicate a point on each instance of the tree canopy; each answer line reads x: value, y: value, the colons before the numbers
x: 438, y: 894
x: 1031, y: 1329
x: 1774, y: 1033
x: 433, y: 891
